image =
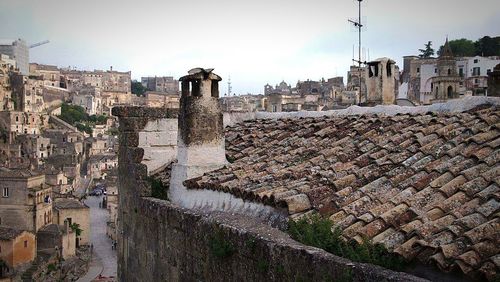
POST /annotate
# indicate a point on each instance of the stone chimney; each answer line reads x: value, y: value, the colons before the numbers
x: 201, y: 132
x: 381, y: 83
x: 200, y: 139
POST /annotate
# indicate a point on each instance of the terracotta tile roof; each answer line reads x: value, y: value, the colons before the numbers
x: 424, y: 185
x: 7, y: 233
x: 69, y: 203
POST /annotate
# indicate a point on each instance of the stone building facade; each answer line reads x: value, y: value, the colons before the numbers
x: 73, y: 211
x: 162, y: 84
x: 26, y: 201
x: 445, y: 83
x: 17, y: 247
x: 494, y: 82
x: 19, y: 51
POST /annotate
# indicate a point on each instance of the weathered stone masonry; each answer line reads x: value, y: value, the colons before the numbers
x: 159, y: 241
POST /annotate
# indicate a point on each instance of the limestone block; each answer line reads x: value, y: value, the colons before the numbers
x: 163, y: 124
x: 158, y: 138
x: 297, y: 203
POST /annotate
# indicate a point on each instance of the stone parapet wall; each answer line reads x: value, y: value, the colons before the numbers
x: 160, y: 241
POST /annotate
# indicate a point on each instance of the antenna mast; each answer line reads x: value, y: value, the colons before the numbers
x: 358, y: 25
x: 229, y: 88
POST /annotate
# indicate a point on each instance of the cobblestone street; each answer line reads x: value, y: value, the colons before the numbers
x: 104, y: 260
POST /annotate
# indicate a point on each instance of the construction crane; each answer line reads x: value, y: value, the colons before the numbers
x: 39, y: 43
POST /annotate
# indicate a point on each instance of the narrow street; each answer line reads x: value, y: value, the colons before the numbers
x: 104, y: 261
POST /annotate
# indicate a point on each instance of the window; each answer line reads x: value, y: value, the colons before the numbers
x: 476, y: 61
x: 449, y: 71
x: 5, y: 192
x: 476, y: 71
x: 25, y: 243
x: 435, y: 70
x: 418, y: 70
x: 461, y: 72
x: 476, y: 80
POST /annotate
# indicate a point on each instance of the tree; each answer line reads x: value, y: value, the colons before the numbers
x: 427, y: 52
x: 76, y: 228
x: 460, y: 48
x: 73, y: 114
x: 137, y: 88
x: 488, y: 46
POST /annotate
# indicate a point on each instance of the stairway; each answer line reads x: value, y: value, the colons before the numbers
x: 28, y: 274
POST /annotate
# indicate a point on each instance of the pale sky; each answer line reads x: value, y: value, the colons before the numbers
x: 255, y: 42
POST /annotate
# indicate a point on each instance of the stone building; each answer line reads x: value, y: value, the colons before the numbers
x: 100, y: 164
x: 18, y: 50
x: 89, y: 99
x: 57, y: 180
x: 243, y: 103
x: 468, y: 76
x: 35, y: 146
x: 17, y: 122
x: 162, y: 99
x: 382, y: 81
x: 26, y: 201
x: 494, y: 82
x: 162, y: 84
x: 51, y: 75
x: 28, y: 92
x: 116, y: 81
x: 73, y: 211
x: 6, y: 101
x: 356, y: 81
x: 446, y: 82
x: 55, y: 238
x: 17, y: 248
x: 277, y: 102
x: 282, y: 87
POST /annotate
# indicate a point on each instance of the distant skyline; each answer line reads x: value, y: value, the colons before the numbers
x: 254, y: 42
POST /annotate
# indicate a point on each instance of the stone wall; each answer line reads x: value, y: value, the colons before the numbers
x: 160, y: 241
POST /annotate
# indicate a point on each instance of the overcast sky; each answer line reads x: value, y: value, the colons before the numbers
x: 254, y: 41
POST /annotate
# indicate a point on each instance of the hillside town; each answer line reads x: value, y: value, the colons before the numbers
x: 68, y: 164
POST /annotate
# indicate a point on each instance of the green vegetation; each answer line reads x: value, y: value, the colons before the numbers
x: 137, y: 88
x: 113, y: 131
x: 427, y: 52
x: 76, y: 116
x: 158, y: 189
x: 73, y: 114
x: 76, y: 228
x: 51, y: 267
x: 230, y: 159
x: 316, y: 231
x: 485, y: 46
x: 460, y: 47
x: 262, y: 266
x: 84, y: 127
x: 220, y: 247
x: 251, y: 244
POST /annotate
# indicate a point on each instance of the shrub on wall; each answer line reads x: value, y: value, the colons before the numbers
x: 319, y: 232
